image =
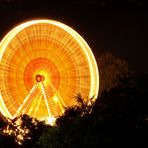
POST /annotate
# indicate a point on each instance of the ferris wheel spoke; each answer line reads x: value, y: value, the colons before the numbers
x: 10, y: 67
x: 23, y: 51
x: 32, y: 91
x: 61, y: 107
x: 46, y: 101
x: 28, y: 103
x: 56, y: 92
x: 38, y: 104
x: 51, y: 101
x: 30, y: 54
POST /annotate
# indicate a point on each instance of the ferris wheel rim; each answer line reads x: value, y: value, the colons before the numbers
x: 90, y: 57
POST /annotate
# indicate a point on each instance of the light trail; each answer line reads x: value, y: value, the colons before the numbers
x: 56, y: 92
x: 76, y: 46
x: 29, y: 101
x: 61, y: 107
x: 58, y: 97
x: 38, y: 104
x: 25, y: 100
x: 86, y: 49
x: 51, y: 101
x: 30, y: 110
x: 46, y: 101
x: 34, y: 106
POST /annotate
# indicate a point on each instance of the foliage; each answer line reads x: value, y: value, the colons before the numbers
x: 24, y: 130
x: 123, y: 113
x: 82, y: 108
x: 3, y: 121
x: 119, y: 118
x: 111, y: 70
x: 7, y: 141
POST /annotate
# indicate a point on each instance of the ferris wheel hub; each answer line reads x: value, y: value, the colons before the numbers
x: 57, y: 64
x: 39, y: 78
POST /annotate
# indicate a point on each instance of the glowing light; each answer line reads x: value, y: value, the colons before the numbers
x: 55, y: 99
x: 18, y: 132
x: 48, y: 54
x: 46, y: 101
x: 51, y: 120
x: 25, y: 100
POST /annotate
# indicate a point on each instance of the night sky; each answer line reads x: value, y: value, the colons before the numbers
x: 120, y: 28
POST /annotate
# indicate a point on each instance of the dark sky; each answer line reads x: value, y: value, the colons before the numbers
x: 120, y: 28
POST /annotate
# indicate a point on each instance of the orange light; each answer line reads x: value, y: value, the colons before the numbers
x: 44, y: 64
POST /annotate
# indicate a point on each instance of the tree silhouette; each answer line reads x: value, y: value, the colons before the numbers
x: 82, y: 108
x: 24, y: 130
x: 111, y: 70
x: 3, y: 121
x: 118, y: 119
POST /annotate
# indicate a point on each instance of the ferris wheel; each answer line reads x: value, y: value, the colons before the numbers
x: 43, y: 64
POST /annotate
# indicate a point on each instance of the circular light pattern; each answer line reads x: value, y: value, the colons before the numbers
x: 44, y: 63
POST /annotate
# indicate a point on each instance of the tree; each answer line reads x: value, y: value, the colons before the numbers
x: 111, y: 70
x: 118, y: 119
x: 25, y: 130
x: 7, y: 141
x: 3, y: 121
x: 82, y: 108
x: 120, y: 115
x: 68, y: 126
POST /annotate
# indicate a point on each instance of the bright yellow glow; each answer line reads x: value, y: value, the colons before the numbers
x: 46, y: 101
x: 55, y: 99
x: 51, y: 120
x: 54, y: 52
x: 25, y: 100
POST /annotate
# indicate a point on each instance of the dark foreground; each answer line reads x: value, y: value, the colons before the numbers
x: 119, y: 118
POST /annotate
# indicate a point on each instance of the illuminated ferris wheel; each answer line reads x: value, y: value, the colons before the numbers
x: 43, y: 64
